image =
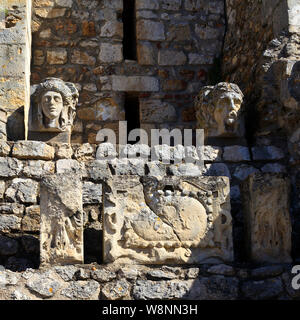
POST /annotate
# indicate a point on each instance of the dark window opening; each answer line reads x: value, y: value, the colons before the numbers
x: 132, y: 113
x: 129, y: 27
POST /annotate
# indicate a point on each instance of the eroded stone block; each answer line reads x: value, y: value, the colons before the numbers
x: 267, y: 218
x: 61, y: 213
x: 172, y: 220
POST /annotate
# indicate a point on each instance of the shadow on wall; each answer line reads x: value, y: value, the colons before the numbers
x: 19, y: 252
x: 15, y: 125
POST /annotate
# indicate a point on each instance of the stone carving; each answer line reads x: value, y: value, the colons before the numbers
x: 267, y: 218
x: 219, y: 110
x: 61, y: 238
x: 173, y: 220
x: 53, y: 110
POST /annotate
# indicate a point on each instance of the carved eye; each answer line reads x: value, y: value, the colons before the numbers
x: 57, y: 99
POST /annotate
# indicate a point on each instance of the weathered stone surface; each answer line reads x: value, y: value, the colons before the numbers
x: 23, y: 190
x: 160, y: 275
x: 236, y: 154
x: 212, y: 153
x: 269, y: 271
x: 135, y: 83
x: 9, y: 222
x: 150, y: 30
x: 91, y: 192
x: 31, y: 219
x: 38, y: 168
x: 264, y: 289
x: 67, y: 273
x: 214, y: 288
x: 267, y: 218
x: 17, y: 295
x: 110, y: 53
x: 10, y: 167
x: 44, y: 284
x: 222, y: 269
x: 15, y: 208
x: 151, y: 221
x: 4, y: 149
x: 243, y: 171
x: 84, y: 152
x: 70, y: 166
x: 61, y: 219
x: 267, y: 153
x: 33, y: 150
x: 219, y: 112
x: 116, y: 290
x: 103, y: 275
x: 81, y: 57
x: 217, y: 169
x: 156, y: 111
x: 82, y: 290
x: 97, y: 170
x: 57, y: 56
x: 171, y: 57
x: 128, y: 166
x: 161, y: 290
x: 64, y: 151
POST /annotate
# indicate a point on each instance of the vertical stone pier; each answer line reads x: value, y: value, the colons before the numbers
x: 15, y: 54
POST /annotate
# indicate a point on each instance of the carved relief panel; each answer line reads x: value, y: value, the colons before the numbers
x: 174, y: 220
x: 61, y: 236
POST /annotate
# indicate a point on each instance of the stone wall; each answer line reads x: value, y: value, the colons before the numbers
x: 251, y: 25
x: 15, y: 53
x: 113, y: 282
x: 23, y: 164
x: 81, y: 42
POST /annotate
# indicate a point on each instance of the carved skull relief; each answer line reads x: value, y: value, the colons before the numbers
x: 218, y: 110
x: 174, y: 220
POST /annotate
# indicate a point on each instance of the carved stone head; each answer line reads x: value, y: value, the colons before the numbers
x: 218, y: 110
x: 53, y: 106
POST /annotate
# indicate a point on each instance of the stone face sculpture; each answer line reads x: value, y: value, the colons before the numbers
x: 219, y: 110
x: 61, y: 236
x: 267, y: 218
x: 52, y: 111
x: 173, y: 220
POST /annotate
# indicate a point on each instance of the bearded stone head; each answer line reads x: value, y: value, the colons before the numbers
x: 219, y: 110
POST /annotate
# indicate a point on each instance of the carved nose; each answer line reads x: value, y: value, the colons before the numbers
x: 232, y: 106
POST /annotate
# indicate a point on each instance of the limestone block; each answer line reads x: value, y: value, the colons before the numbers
x: 267, y: 218
x: 236, y: 154
x: 110, y: 53
x: 22, y: 190
x: 31, y: 220
x: 10, y: 167
x: 81, y: 57
x: 156, y: 111
x: 57, y: 56
x: 61, y: 233
x: 171, y: 58
x: 267, y: 153
x: 134, y: 83
x: 174, y: 220
x: 146, y: 54
x: 33, y: 150
x: 150, y: 30
x: 147, y: 4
